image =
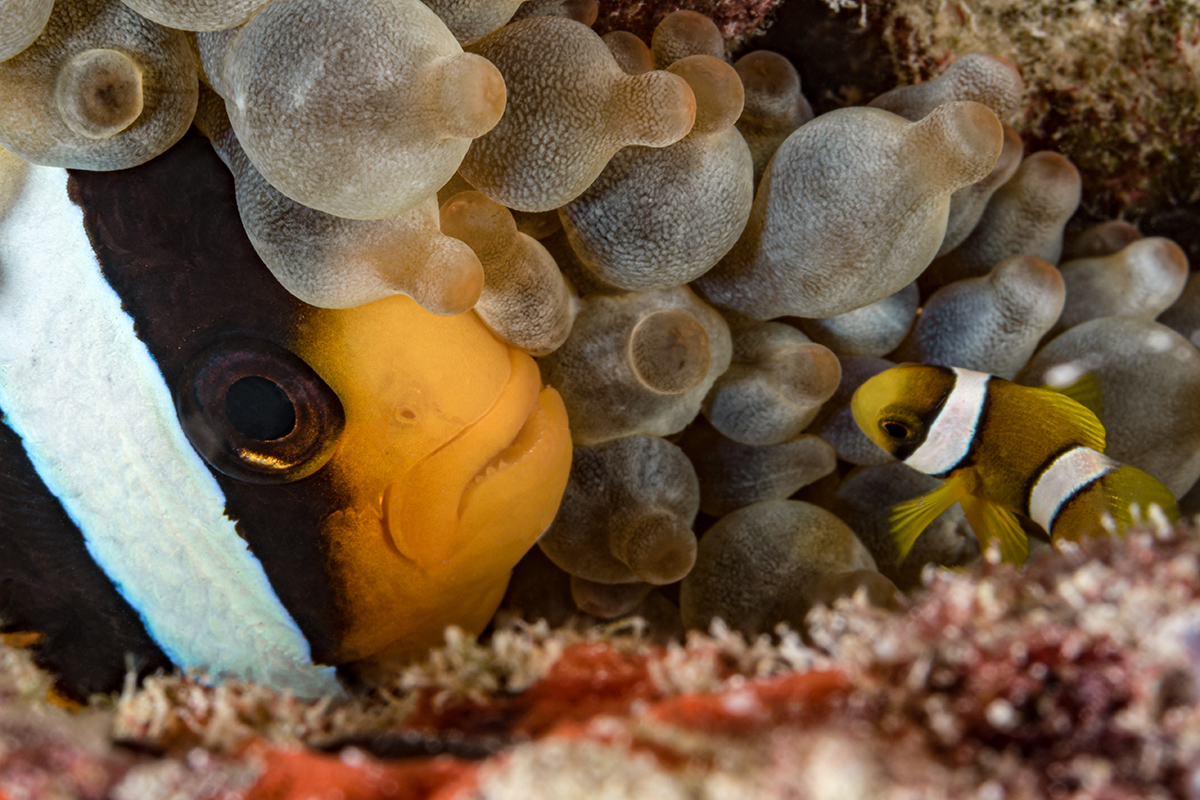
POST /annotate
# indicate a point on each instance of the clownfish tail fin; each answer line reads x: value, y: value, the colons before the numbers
x: 1130, y: 493
x: 909, y: 518
x: 990, y: 521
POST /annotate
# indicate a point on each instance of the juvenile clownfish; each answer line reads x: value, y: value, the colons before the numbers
x: 1003, y: 450
x: 198, y: 470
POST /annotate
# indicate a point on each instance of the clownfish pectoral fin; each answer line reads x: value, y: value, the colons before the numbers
x: 990, y: 521
x: 1085, y: 391
x: 909, y: 518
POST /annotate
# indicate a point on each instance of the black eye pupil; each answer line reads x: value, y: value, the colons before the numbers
x: 895, y: 430
x: 259, y: 409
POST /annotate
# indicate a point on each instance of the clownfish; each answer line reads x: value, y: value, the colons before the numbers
x: 198, y: 470
x: 1003, y: 450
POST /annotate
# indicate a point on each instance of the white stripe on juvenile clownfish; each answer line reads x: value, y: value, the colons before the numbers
x: 952, y: 431
x: 99, y: 425
x: 1066, y: 476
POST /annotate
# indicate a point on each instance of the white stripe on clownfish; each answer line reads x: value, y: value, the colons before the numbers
x: 1071, y: 472
x: 99, y: 425
x: 952, y: 431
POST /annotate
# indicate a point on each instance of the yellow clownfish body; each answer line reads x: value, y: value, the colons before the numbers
x: 1004, y: 450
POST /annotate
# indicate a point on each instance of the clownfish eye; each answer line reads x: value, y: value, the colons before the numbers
x: 256, y: 412
x: 259, y: 408
x: 894, y: 429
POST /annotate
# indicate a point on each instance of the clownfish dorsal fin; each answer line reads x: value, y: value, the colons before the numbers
x: 1090, y: 428
x: 990, y: 521
x: 909, y: 518
x: 1085, y: 390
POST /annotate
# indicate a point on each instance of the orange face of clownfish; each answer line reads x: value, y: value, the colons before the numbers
x: 216, y: 476
x: 449, y: 474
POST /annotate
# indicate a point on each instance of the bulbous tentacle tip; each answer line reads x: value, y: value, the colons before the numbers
x: 477, y: 220
x: 659, y: 109
x: 669, y: 351
x: 469, y: 93
x: 685, y: 33
x: 657, y: 545
x: 23, y: 23
x: 970, y: 138
x: 718, y: 90
x: 1027, y: 274
x: 607, y: 600
x: 1052, y: 176
x: 632, y: 54
x: 99, y: 92
x: 451, y: 281
x: 771, y: 82
x: 582, y: 11
x: 1103, y: 239
x: 812, y: 373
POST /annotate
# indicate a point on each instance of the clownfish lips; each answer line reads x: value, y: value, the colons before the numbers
x: 493, y: 488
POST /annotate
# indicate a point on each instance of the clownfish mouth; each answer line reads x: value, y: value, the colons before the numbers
x: 526, y: 440
x: 495, y: 486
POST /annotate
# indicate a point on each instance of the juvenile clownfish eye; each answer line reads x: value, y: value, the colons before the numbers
x: 257, y: 412
x: 894, y: 429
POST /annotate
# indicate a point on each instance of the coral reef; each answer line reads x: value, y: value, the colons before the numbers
x: 1076, y: 678
x: 1101, y: 77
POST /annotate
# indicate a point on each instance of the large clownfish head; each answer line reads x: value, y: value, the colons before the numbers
x: 442, y: 455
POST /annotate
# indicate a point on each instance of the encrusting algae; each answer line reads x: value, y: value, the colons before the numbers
x: 470, y: 277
